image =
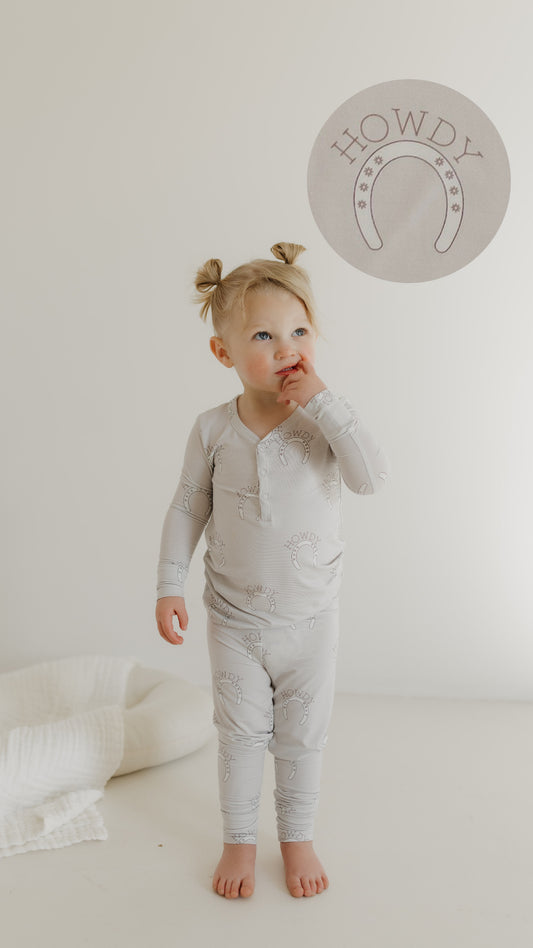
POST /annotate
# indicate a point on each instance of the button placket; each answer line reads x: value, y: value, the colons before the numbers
x: 263, y: 467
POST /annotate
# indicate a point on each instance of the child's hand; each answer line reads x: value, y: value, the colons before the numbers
x: 165, y: 610
x: 302, y: 385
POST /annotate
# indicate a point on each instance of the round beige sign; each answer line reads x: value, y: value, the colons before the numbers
x: 408, y: 181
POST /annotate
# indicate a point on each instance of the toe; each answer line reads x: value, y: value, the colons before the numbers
x: 307, y: 887
x: 232, y: 889
x: 246, y: 889
x: 295, y: 888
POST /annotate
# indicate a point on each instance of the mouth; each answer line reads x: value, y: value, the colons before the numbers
x: 288, y: 369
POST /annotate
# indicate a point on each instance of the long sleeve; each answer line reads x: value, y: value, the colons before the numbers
x: 186, y: 518
x: 363, y: 465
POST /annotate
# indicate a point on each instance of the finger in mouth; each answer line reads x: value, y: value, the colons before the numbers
x: 286, y: 371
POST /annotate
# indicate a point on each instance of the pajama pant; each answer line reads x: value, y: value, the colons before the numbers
x: 272, y: 688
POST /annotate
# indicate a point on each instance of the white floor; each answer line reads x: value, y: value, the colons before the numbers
x: 425, y: 829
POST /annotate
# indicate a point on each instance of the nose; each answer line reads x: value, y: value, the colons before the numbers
x: 285, y: 349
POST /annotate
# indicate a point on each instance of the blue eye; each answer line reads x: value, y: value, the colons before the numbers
x: 300, y: 332
x: 263, y: 335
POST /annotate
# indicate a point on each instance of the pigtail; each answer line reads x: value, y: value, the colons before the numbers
x: 226, y: 297
x: 208, y: 279
x: 287, y: 253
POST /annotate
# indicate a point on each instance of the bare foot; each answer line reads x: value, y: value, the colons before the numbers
x: 304, y: 873
x: 235, y: 873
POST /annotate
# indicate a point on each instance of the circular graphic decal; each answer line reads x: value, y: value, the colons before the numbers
x: 408, y: 181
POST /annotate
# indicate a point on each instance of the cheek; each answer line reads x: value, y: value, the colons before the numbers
x: 308, y: 348
x: 257, y: 363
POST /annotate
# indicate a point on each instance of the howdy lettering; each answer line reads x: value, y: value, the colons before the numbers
x: 433, y: 212
x: 374, y: 128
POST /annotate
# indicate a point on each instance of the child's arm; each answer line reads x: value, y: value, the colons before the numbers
x: 363, y: 465
x: 184, y: 524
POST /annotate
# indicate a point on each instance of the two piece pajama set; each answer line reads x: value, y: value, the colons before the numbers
x: 270, y: 508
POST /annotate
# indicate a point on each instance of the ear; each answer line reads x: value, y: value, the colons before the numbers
x: 219, y: 350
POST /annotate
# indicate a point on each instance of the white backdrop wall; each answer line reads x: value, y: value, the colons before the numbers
x: 139, y: 139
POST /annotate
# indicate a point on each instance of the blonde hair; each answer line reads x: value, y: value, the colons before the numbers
x: 225, y: 295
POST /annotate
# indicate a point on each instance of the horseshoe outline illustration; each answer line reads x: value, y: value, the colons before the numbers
x: 223, y: 677
x: 292, y: 764
x: 256, y: 592
x: 189, y: 491
x: 301, y: 697
x: 218, y: 608
x: 379, y: 159
x: 303, y: 438
x: 300, y: 540
x: 253, y: 641
x: 244, y: 495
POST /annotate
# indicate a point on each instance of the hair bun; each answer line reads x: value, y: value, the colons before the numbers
x: 209, y: 276
x: 288, y: 253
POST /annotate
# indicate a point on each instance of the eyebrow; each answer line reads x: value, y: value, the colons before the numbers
x: 264, y: 325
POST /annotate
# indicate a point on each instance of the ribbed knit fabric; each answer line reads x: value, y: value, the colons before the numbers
x: 272, y: 510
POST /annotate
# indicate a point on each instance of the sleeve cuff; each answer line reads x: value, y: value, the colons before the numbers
x: 332, y: 414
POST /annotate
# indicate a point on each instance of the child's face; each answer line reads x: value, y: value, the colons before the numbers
x: 270, y: 343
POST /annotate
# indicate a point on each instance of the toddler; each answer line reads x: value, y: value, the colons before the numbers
x: 262, y: 475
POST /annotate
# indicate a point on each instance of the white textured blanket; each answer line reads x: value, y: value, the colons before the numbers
x: 61, y: 739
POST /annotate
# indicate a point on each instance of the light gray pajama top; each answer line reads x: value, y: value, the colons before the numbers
x: 271, y: 511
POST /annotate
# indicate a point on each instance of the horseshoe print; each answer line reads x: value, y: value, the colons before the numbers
x: 291, y: 764
x: 253, y: 641
x: 300, y: 540
x: 189, y: 492
x: 225, y: 758
x: 248, y: 836
x: 370, y: 172
x: 331, y: 487
x: 223, y: 677
x: 216, y: 546
x: 299, y: 437
x: 214, y: 455
x: 244, y: 495
x: 269, y: 715
x: 218, y: 609
x: 303, y: 697
x: 253, y: 592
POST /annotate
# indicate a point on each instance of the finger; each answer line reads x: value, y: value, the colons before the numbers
x: 176, y: 637
x: 292, y: 378
x: 183, y: 619
x: 291, y: 385
x: 167, y: 632
x: 305, y: 363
